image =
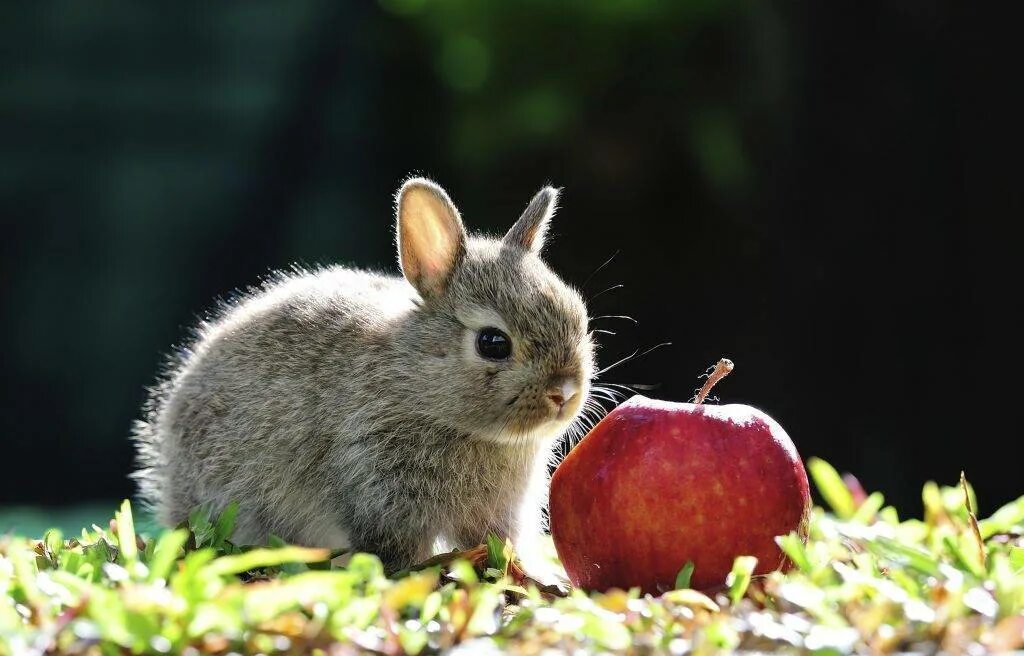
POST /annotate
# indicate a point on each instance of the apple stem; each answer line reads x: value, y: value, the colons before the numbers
x: 722, y: 369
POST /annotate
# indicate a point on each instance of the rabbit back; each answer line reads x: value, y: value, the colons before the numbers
x: 251, y: 409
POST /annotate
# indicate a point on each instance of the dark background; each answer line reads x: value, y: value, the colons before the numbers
x: 816, y: 190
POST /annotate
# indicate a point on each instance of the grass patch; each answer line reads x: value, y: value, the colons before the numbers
x: 865, y: 581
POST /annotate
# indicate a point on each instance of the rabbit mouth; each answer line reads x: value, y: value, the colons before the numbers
x: 534, y: 417
x: 535, y: 425
x: 550, y: 415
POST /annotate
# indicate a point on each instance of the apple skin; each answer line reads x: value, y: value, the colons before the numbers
x: 656, y: 484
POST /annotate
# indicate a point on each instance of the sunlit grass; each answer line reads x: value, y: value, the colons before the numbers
x: 865, y: 581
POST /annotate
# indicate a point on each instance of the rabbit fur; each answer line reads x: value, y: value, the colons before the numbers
x: 347, y: 408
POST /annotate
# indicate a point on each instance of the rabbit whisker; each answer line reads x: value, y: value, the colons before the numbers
x: 609, y: 388
x: 606, y: 263
x: 613, y: 396
x: 634, y: 354
x: 632, y: 387
x: 607, y: 394
x: 615, y: 316
x: 604, y: 291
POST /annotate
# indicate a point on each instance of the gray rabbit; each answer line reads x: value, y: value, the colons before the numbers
x: 342, y: 407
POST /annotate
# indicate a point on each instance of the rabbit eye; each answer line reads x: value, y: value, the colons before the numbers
x: 493, y: 344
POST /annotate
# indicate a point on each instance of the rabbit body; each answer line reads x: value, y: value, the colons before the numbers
x: 346, y: 408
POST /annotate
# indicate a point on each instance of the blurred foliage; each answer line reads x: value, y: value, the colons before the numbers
x: 796, y: 185
x: 869, y: 582
x: 511, y: 99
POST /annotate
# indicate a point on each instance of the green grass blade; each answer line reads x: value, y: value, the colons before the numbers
x: 684, y: 575
x: 126, y: 533
x: 912, y: 556
x: 1007, y: 519
x: 867, y: 510
x: 793, y: 546
x: 225, y: 524
x: 832, y: 488
x: 963, y: 561
x: 165, y: 554
x: 497, y: 553
x: 1017, y: 559
x: 739, y: 578
x: 259, y: 558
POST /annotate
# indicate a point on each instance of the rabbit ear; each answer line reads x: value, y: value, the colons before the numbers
x: 529, y: 231
x: 431, y: 238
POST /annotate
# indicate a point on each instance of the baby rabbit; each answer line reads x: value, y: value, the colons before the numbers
x: 346, y: 408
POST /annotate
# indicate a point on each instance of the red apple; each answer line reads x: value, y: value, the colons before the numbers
x: 656, y: 484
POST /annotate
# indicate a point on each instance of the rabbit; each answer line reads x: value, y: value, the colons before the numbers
x: 346, y: 408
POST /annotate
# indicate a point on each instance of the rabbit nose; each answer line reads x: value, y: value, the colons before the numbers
x: 563, y: 393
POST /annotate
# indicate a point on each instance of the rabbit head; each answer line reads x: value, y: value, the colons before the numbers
x: 499, y: 345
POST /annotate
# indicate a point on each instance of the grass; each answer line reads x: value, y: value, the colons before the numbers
x: 864, y: 581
